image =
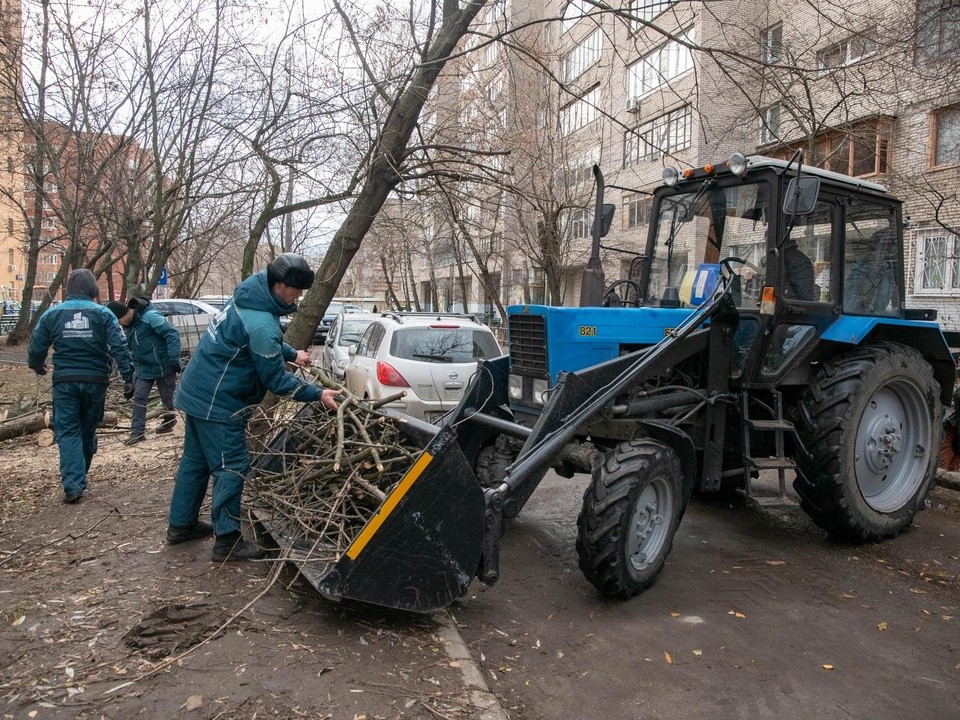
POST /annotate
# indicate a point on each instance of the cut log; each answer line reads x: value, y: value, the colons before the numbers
x: 38, y: 421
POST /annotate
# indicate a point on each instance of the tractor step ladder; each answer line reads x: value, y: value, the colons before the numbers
x: 778, y: 425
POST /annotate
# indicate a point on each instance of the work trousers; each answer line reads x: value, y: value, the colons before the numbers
x: 77, y: 412
x: 215, y: 449
x: 141, y: 393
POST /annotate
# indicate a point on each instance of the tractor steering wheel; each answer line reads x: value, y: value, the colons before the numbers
x: 610, y: 292
x: 728, y: 267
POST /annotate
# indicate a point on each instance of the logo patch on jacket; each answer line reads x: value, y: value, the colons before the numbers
x: 78, y: 327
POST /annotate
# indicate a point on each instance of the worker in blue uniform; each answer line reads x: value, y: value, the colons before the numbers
x: 87, y: 341
x: 240, y: 357
x: 155, y: 345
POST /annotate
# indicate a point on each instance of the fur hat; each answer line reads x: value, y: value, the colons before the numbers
x: 117, y: 308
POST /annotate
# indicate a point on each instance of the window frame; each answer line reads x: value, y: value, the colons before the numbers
x: 846, y: 47
x: 769, y: 41
x: 950, y: 261
x: 583, y: 56
x: 769, y: 131
x: 935, y: 122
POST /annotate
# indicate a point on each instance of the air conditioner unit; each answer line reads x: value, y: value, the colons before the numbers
x: 11, y: 268
x: 633, y: 105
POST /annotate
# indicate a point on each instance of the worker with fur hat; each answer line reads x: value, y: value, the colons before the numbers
x: 87, y: 341
x: 240, y: 357
x: 155, y: 345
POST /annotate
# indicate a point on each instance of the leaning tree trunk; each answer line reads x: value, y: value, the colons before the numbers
x: 383, y: 176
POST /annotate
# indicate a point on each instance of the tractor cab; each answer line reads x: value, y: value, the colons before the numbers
x: 808, y: 253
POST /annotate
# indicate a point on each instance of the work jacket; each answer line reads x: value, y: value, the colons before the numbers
x: 86, y: 340
x: 241, y: 356
x: 155, y: 345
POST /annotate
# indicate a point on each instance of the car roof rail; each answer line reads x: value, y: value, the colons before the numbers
x: 398, y: 315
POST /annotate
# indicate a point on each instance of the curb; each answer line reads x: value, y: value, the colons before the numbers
x: 949, y: 480
x: 480, y: 696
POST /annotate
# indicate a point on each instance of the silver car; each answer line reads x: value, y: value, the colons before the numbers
x: 346, y: 330
x: 189, y: 316
x: 428, y: 357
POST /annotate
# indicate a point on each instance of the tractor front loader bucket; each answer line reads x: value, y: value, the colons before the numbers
x: 421, y: 548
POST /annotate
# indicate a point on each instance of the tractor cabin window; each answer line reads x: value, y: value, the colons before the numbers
x: 871, y: 261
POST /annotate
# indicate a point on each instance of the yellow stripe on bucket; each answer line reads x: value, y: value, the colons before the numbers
x: 370, y: 529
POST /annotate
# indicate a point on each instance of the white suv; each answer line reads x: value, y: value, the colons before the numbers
x: 429, y: 357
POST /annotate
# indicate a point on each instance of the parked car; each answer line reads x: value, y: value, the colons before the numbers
x: 217, y: 301
x: 347, y: 329
x: 431, y: 357
x: 334, y: 310
x: 189, y: 316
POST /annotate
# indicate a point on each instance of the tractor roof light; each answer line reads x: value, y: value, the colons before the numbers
x: 670, y: 176
x: 737, y: 164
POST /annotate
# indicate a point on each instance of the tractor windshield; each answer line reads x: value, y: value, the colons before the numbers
x: 698, y: 227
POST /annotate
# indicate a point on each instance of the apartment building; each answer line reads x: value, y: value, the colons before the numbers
x: 865, y: 88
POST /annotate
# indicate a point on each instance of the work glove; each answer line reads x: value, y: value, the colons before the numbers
x: 39, y: 369
x: 127, y: 390
x: 175, y: 366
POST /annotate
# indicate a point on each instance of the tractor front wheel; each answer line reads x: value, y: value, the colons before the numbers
x: 870, y: 425
x: 630, y: 513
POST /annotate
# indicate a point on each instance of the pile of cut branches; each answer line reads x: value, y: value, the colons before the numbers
x: 324, y: 474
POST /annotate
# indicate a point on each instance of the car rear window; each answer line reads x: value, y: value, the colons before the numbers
x: 443, y: 344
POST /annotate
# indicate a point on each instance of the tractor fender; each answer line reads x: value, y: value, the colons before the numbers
x: 681, y: 444
x: 925, y: 337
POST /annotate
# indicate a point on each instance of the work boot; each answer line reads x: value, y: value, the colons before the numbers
x: 73, y: 498
x: 177, y: 535
x: 232, y: 546
x: 134, y: 438
x: 168, y: 420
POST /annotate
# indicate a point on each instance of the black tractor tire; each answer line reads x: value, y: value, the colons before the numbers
x: 870, y: 430
x: 631, y: 510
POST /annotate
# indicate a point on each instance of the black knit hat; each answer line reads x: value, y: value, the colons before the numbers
x: 117, y: 308
x: 290, y: 269
x: 82, y: 282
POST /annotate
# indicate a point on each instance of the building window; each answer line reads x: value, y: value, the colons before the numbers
x: 659, y: 67
x: 646, y: 10
x: 938, y: 29
x: 661, y: 136
x: 861, y: 149
x: 938, y: 267
x: 583, y: 56
x: 771, y: 44
x: 636, y: 210
x: 770, y: 124
x: 572, y: 13
x: 578, y: 223
x: 579, y: 113
x: 946, y: 136
x: 848, y: 51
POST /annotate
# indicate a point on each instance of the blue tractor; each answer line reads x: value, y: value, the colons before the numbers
x: 763, y: 329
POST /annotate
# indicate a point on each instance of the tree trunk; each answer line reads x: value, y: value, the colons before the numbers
x: 38, y: 421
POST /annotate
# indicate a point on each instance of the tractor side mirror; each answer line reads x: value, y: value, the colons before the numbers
x: 801, y: 196
x: 606, y: 218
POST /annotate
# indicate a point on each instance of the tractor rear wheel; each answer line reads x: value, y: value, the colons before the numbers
x: 630, y: 513
x: 871, y: 431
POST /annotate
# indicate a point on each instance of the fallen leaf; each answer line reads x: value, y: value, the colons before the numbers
x: 32, y: 713
x: 881, y: 626
x: 454, y: 663
x: 739, y: 615
x: 698, y: 653
x: 828, y: 667
x: 18, y: 621
x: 667, y: 657
x: 776, y: 562
x: 674, y: 614
x: 194, y: 702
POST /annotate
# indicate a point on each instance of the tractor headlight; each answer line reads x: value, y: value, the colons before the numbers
x: 737, y: 164
x: 670, y: 176
x: 515, y: 387
x: 540, y: 388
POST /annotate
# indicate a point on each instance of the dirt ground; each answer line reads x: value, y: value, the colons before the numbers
x: 99, y: 618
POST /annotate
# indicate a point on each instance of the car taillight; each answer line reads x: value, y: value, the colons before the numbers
x: 388, y: 375
x: 446, y: 327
